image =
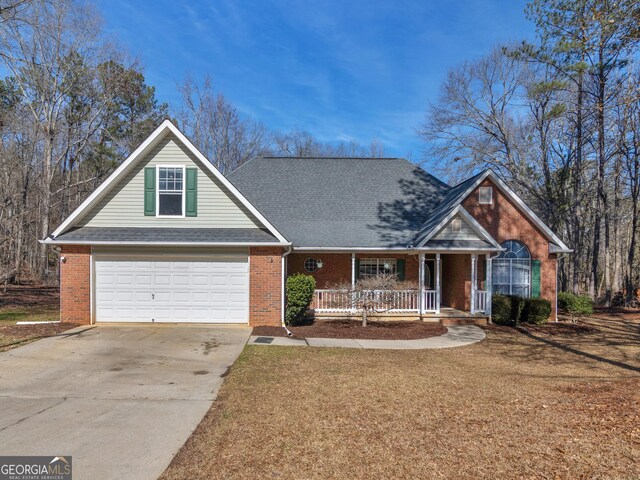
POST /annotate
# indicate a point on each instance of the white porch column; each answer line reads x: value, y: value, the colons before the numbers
x: 353, y: 281
x: 421, y: 283
x: 353, y: 270
x: 437, y: 283
x: 474, y: 277
x: 487, y: 284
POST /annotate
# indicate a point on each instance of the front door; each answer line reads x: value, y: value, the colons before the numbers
x: 430, y: 274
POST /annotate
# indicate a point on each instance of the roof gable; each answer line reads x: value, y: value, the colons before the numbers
x: 118, y: 201
x: 471, y: 232
x: 461, y: 191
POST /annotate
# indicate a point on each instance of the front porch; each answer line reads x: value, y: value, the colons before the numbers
x: 447, y: 287
x: 446, y: 316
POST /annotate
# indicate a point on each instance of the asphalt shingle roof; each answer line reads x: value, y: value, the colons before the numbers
x: 167, y: 235
x: 345, y: 202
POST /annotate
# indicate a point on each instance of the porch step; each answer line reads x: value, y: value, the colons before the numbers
x: 451, y: 321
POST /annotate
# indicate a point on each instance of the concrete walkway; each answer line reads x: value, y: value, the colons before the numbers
x: 456, y: 336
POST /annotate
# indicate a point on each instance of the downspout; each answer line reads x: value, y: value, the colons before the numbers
x: 490, y: 299
x: 284, y: 279
x: 556, y: 288
x: 58, y: 251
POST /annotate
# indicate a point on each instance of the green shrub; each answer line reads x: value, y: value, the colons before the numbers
x: 536, y: 311
x: 501, y: 309
x: 517, y: 305
x: 299, y: 290
x: 575, y: 305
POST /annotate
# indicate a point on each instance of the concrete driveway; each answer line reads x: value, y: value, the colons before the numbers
x: 121, y: 400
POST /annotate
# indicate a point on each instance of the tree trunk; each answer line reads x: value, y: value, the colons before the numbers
x: 46, y: 200
x: 577, y: 176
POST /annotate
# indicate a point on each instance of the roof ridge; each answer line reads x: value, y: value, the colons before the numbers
x: 243, y: 164
x: 288, y: 157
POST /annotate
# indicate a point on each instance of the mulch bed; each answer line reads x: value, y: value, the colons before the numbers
x: 354, y: 329
x: 30, y: 295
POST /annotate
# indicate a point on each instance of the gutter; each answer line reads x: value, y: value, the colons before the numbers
x: 283, y: 294
x: 50, y: 241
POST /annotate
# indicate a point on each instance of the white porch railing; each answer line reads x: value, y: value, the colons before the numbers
x: 390, y: 300
x: 332, y: 300
x: 482, y: 297
x: 429, y: 299
x: 344, y: 300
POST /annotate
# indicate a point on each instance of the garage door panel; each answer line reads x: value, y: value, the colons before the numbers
x: 212, y: 290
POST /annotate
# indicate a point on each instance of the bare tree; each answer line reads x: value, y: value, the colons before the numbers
x: 51, y: 56
x: 217, y: 129
x: 299, y: 143
x: 371, y: 295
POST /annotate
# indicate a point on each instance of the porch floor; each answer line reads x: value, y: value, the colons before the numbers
x: 448, y: 312
x: 447, y: 316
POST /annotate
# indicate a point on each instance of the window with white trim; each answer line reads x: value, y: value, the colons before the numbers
x: 170, y: 191
x: 372, y: 267
x: 456, y: 225
x: 511, y: 270
x: 485, y: 195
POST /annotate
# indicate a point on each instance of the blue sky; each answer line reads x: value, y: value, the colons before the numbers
x: 341, y: 70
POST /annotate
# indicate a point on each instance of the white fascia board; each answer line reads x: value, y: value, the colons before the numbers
x: 439, y: 227
x: 553, y: 248
x: 225, y: 182
x: 165, y: 127
x: 353, y: 249
x: 151, y: 141
x: 458, y: 249
x: 479, y: 229
x: 51, y: 241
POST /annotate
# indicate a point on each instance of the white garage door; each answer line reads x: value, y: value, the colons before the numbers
x: 205, y: 290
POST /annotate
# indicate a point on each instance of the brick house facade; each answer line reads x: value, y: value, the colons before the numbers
x: 127, y: 257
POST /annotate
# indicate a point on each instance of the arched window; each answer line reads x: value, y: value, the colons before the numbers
x: 512, y: 270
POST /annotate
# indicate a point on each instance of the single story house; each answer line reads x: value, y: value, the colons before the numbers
x: 168, y: 238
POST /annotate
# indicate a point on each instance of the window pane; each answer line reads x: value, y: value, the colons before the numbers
x: 520, y: 290
x: 371, y: 267
x: 519, y: 274
x: 501, y: 272
x: 170, y: 204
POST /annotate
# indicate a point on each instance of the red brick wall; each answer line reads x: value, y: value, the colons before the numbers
x: 265, y: 286
x: 336, y: 267
x: 75, y: 284
x: 456, y: 281
x: 503, y: 220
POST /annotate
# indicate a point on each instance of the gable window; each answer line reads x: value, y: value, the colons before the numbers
x: 512, y: 270
x: 372, y: 267
x: 486, y: 195
x: 456, y: 225
x: 171, y: 191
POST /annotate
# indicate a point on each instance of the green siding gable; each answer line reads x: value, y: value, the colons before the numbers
x: 124, y: 205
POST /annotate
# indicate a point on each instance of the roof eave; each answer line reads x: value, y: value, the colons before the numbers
x: 52, y: 241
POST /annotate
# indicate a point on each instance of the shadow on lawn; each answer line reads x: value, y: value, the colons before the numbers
x: 566, y: 348
x: 614, y: 342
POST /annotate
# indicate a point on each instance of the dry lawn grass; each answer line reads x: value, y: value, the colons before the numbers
x: 522, y: 404
x: 28, y: 303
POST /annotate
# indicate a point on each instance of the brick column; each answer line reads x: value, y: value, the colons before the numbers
x: 75, y: 284
x: 265, y: 286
